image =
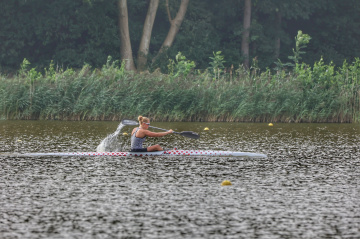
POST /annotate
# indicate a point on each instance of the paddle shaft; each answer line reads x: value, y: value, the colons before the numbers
x: 133, y: 122
x: 162, y: 129
x: 188, y: 134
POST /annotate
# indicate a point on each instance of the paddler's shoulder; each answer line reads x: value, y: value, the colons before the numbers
x: 134, y: 130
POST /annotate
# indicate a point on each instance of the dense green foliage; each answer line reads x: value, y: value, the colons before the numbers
x: 68, y: 32
x: 72, y: 33
x: 318, y: 93
x: 67, y: 42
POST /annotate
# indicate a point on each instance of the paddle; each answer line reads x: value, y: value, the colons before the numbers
x: 188, y: 134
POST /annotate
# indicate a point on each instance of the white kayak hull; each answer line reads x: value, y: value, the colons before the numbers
x: 207, y: 153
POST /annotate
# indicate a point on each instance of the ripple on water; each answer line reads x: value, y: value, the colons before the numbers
x: 308, y: 187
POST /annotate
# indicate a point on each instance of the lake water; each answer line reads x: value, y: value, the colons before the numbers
x: 308, y: 187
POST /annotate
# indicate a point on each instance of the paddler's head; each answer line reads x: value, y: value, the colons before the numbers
x: 144, y: 122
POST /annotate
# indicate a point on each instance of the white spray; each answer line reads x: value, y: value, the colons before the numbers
x: 111, y: 143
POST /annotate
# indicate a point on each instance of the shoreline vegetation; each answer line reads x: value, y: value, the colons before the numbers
x: 302, y: 93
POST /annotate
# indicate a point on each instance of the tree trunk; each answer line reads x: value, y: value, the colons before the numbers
x: 277, y: 37
x: 146, y: 35
x: 174, y: 26
x: 246, y: 33
x: 125, y: 44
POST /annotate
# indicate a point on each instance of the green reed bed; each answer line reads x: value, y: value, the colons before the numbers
x: 321, y: 93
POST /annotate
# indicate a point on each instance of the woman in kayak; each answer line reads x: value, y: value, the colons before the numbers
x: 139, y: 134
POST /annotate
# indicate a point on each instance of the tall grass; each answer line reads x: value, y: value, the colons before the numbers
x: 319, y: 93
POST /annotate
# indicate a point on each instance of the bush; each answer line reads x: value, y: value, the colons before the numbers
x: 307, y: 94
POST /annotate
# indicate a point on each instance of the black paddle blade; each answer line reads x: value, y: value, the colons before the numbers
x: 190, y: 134
x: 129, y: 122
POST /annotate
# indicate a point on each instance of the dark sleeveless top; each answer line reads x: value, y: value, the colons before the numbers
x: 137, y: 143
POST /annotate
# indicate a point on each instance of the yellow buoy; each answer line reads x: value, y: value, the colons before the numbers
x: 125, y: 134
x: 206, y: 128
x: 271, y: 124
x: 226, y: 183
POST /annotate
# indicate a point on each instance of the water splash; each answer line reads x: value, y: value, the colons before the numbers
x: 111, y: 143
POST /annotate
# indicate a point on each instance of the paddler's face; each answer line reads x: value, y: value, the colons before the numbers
x: 146, y: 125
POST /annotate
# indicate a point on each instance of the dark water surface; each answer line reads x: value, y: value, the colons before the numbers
x: 308, y: 187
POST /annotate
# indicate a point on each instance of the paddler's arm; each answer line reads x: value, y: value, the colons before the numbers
x: 157, y: 134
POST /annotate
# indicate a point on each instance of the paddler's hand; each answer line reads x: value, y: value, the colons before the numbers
x: 170, y: 131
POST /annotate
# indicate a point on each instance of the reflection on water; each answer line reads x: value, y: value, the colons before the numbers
x: 308, y: 187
